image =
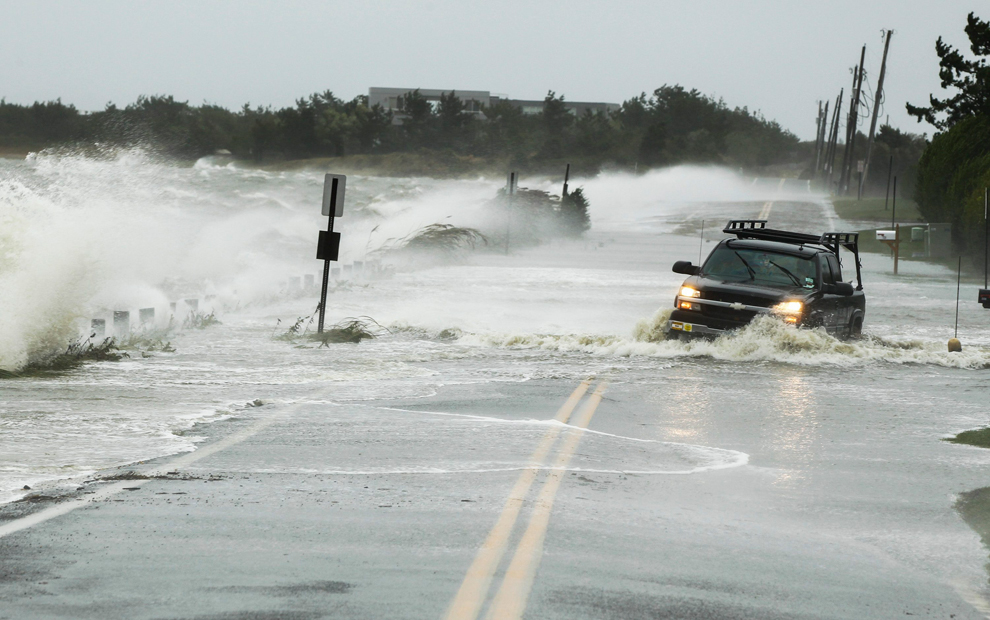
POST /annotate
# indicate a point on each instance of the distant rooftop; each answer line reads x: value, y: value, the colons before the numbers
x: 476, y: 100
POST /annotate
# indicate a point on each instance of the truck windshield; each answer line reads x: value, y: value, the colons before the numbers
x: 760, y: 266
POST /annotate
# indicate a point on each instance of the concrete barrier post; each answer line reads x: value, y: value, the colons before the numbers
x: 146, y: 316
x: 99, y: 328
x: 121, y: 322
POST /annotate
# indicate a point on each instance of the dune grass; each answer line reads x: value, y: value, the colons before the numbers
x: 76, y: 353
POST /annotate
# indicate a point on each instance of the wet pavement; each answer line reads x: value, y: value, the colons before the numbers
x: 443, y: 471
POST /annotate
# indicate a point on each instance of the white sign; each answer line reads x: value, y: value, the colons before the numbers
x: 333, y: 194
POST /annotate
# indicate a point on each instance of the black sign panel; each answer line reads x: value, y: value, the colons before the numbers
x: 328, y: 247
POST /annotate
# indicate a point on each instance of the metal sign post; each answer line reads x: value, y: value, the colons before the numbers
x: 328, y: 246
x: 510, y: 191
x: 984, y: 294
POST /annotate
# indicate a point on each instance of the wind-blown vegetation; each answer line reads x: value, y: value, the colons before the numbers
x: 955, y: 167
x: 348, y: 330
x: 76, y: 353
x: 672, y: 125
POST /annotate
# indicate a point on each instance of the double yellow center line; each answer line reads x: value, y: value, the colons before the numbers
x: 510, y: 600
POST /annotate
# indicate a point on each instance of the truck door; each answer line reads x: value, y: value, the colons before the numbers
x: 829, y: 302
x: 843, y: 305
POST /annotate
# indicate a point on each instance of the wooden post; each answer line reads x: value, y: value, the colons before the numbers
x: 850, y: 127
x: 890, y: 170
x: 818, y: 136
x: 833, y: 140
x: 876, y: 106
x: 820, y: 157
x: 897, y: 246
x: 893, y: 211
x: 854, y: 121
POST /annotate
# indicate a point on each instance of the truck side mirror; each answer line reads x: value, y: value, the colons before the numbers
x: 685, y: 267
x: 844, y: 289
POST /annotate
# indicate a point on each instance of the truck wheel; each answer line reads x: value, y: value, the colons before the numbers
x: 856, y: 326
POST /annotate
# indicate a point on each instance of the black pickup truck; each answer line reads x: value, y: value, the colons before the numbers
x: 793, y: 275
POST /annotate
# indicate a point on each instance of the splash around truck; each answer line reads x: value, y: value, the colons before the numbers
x: 795, y: 276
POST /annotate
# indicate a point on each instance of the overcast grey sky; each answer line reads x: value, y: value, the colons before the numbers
x: 779, y: 57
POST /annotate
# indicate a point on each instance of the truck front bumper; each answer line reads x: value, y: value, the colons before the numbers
x: 691, y: 329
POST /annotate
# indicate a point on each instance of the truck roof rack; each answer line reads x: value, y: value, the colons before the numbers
x: 832, y: 241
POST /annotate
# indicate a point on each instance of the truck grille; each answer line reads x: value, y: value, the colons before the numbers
x: 727, y: 314
x: 749, y: 300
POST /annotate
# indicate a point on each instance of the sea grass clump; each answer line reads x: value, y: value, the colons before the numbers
x: 200, y: 320
x: 76, y: 353
x: 350, y: 329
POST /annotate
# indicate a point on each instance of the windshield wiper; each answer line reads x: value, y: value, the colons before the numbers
x: 790, y: 275
x: 752, y: 274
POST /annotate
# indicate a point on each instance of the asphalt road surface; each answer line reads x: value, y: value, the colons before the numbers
x: 547, y: 460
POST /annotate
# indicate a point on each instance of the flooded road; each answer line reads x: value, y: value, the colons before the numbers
x: 441, y: 470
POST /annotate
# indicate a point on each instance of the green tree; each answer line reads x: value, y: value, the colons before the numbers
x: 653, y: 146
x: 971, y: 78
x: 955, y: 166
x: 574, y: 213
x: 505, y: 130
x: 556, y: 120
x: 417, y: 119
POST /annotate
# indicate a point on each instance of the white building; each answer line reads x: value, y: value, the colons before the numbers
x: 475, y: 101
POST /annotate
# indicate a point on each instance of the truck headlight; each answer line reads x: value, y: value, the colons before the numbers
x: 788, y: 308
x: 687, y: 291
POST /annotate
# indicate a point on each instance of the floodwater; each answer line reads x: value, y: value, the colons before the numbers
x: 834, y: 442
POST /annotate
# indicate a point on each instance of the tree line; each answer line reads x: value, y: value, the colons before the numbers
x: 670, y: 126
x: 954, y: 170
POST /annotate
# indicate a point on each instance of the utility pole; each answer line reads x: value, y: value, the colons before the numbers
x: 834, y: 140
x: 818, y: 136
x: 855, y: 112
x: 876, y: 105
x: 845, y: 147
x: 853, y: 119
x: 820, y: 162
